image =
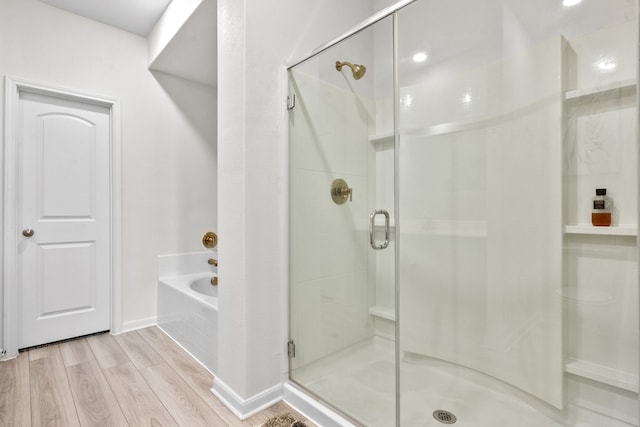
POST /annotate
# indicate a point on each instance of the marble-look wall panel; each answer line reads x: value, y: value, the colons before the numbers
x: 481, y: 208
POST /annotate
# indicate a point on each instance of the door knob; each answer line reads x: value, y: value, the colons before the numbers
x: 28, y: 232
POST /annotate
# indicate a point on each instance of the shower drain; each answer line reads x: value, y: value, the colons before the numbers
x: 445, y: 417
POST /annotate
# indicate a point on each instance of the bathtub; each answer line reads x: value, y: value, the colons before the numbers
x: 188, y: 309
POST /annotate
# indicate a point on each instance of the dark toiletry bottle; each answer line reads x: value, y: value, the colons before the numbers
x: 601, y: 213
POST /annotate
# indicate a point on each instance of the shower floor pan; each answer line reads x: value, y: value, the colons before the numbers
x: 360, y: 381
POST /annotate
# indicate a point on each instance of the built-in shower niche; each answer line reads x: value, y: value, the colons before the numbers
x: 600, y: 289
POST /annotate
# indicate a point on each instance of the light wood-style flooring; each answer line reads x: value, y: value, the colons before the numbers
x: 141, y: 378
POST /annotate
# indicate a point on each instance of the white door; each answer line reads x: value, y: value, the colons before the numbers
x: 63, y: 217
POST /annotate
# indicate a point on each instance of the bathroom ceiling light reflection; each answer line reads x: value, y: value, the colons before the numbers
x: 467, y: 100
x: 407, y: 101
x: 569, y: 3
x: 419, y: 57
x: 605, y: 65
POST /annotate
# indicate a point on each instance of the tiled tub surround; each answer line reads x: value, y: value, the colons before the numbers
x: 186, y: 315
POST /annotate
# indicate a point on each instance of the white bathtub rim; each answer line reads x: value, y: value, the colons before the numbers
x: 182, y: 282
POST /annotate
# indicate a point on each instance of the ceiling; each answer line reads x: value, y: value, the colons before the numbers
x: 136, y: 16
x: 192, y: 51
x: 189, y: 53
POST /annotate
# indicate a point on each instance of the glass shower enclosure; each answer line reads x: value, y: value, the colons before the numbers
x: 443, y: 263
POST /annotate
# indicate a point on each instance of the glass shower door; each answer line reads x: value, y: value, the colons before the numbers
x: 342, y: 251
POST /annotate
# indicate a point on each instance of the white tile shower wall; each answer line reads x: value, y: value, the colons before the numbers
x: 614, y: 43
x: 471, y: 291
x: 384, y: 261
x: 602, y: 301
x: 383, y: 79
x: 168, y: 132
x: 611, y: 402
x: 381, y: 169
x: 599, y: 148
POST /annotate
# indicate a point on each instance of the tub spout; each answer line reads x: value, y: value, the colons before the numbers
x: 213, y: 262
x: 214, y: 281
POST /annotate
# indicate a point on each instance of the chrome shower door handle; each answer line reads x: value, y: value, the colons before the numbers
x: 372, y: 229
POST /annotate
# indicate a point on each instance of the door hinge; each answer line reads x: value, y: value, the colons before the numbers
x: 291, y: 349
x: 291, y: 101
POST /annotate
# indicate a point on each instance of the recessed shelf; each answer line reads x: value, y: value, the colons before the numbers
x: 381, y: 138
x: 580, y: 93
x: 603, y: 374
x: 616, y: 230
x: 472, y: 229
x: 380, y: 222
x: 383, y: 312
x: 580, y: 295
x: 466, y: 125
x: 449, y: 127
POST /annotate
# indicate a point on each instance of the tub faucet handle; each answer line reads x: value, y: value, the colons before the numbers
x: 213, y: 262
x: 214, y: 281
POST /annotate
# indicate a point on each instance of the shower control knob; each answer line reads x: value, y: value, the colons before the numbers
x: 28, y: 232
x: 341, y: 192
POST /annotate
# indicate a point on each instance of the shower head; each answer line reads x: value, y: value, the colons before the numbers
x: 357, y: 70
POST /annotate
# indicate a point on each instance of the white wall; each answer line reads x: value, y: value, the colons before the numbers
x: 172, y: 19
x: 255, y: 40
x: 168, y: 133
x: 184, y: 41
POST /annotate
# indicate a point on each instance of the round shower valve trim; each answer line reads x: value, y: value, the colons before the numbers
x: 341, y: 192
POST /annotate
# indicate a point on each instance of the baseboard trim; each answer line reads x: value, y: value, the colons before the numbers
x: 132, y: 325
x: 311, y: 408
x: 245, y: 408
